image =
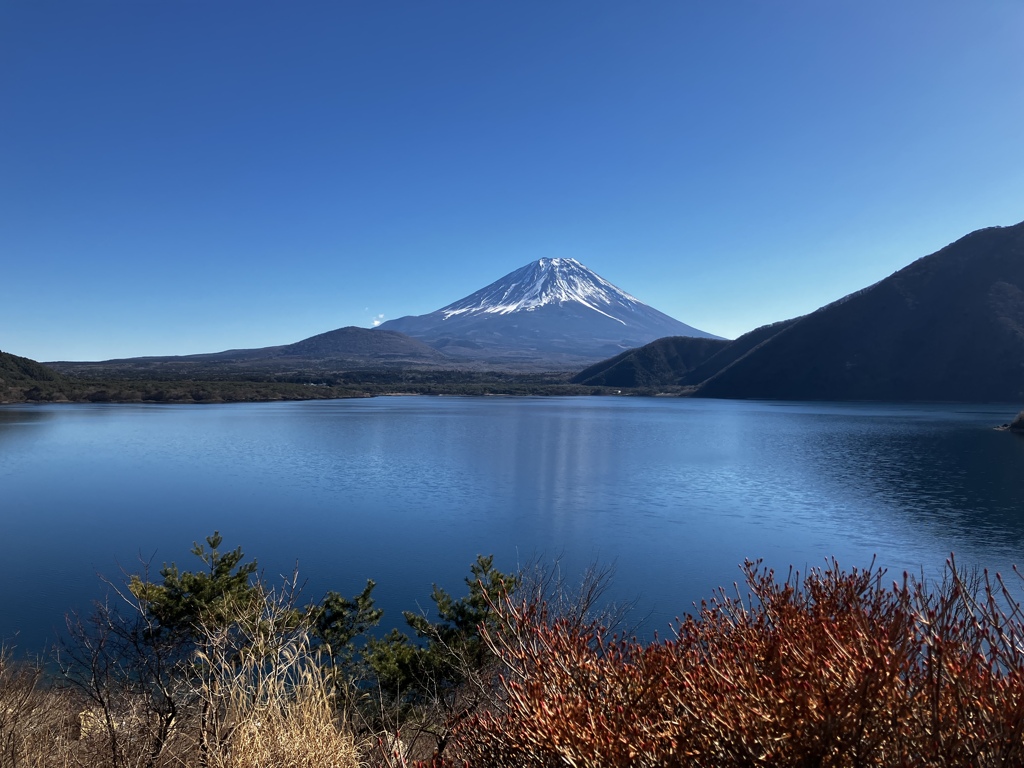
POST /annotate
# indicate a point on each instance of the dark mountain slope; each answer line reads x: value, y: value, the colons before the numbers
x: 675, y: 361
x: 664, y: 362
x: 742, y: 346
x: 948, y: 327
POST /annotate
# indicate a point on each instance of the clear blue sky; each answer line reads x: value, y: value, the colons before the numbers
x: 182, y: 176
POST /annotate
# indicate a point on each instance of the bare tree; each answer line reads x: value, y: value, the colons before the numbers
x: 131, y: 674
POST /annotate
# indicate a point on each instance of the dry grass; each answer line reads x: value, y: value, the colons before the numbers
x: 36, y: 725
x: 295, y: 728
x: 265, y: 694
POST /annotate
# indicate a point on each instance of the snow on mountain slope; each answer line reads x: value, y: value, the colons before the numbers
x: 550, y: 311
x: 547, y: 281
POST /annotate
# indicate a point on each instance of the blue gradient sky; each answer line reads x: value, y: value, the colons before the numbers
x: 187, y: 176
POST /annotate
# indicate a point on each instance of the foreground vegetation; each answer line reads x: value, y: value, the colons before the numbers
x: 217, y: 668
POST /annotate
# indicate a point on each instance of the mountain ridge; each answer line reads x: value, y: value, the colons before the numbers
x: 350, y: 346
x: 947, y: 327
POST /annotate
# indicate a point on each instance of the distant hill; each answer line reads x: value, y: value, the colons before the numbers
x: 551, y: 312
x: 354, y: 342
x: 18, y: 370
x: 665, y: 362
x: 948, y: 327
x: 676, y: 361
x: 20, y: 378
x: 340, y: 349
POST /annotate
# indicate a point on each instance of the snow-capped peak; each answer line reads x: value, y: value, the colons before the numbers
x: 551, y: 308
x: 542, y: 282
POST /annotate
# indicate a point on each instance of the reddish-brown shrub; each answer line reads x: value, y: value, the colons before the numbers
x: 832, y: 669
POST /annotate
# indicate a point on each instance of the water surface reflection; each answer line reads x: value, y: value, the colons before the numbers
x: 409, y: 490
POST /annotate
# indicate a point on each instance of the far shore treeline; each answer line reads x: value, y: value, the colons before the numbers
x: 23, y: 380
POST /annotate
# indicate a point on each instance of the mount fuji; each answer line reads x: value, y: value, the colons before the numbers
x: 551, y: 311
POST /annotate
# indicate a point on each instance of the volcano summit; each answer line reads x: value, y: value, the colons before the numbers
x: 552, y: 311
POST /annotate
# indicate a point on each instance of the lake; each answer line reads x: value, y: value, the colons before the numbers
x: 675, y: 493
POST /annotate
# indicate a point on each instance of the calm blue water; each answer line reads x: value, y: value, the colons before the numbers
x: 408, y: 490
